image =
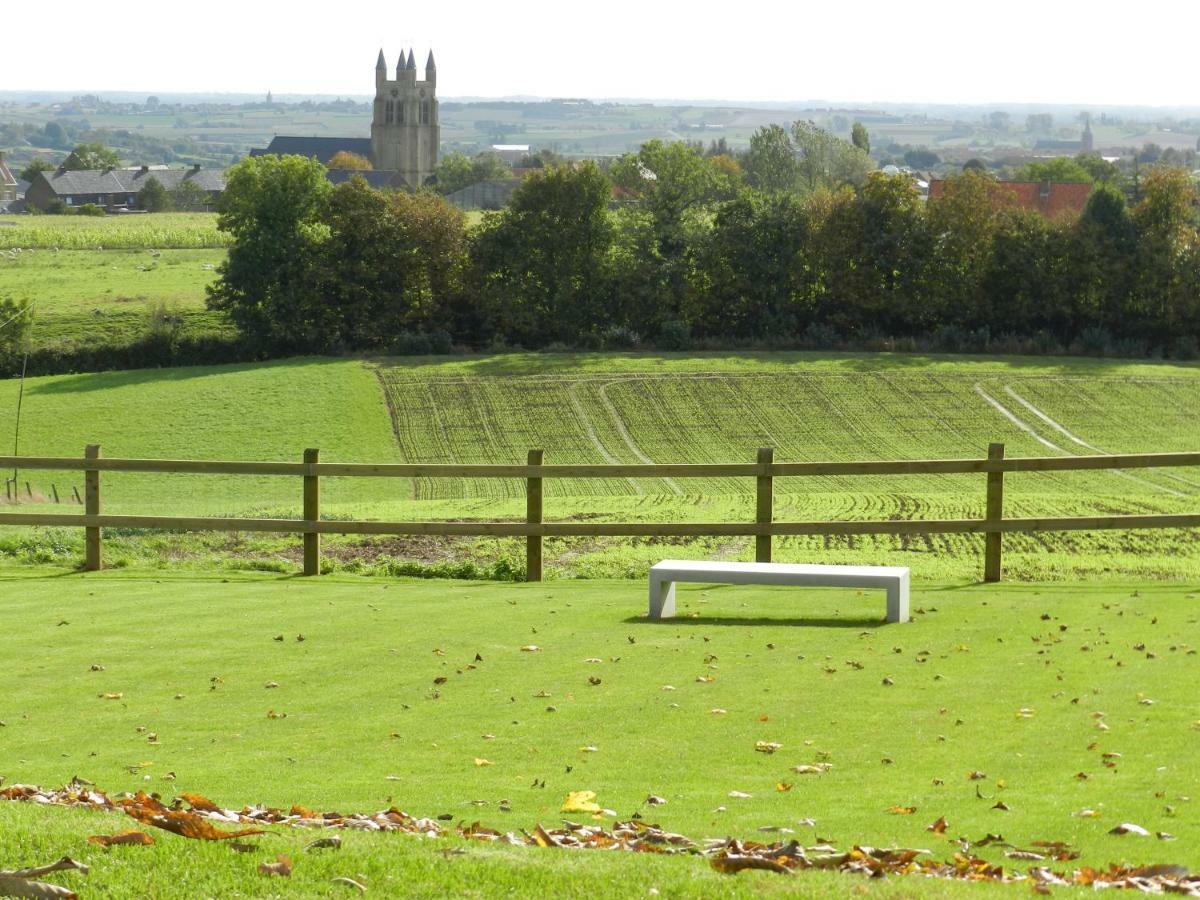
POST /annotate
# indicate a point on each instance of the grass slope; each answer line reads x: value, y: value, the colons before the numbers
x: 368, y: 723
x: 158, y: 231
x: 662, y: 408
x: 268, y: 411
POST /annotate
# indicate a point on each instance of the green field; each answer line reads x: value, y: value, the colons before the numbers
x: 661, y: 408
x: 96, y: 281
x: 1008, y: 684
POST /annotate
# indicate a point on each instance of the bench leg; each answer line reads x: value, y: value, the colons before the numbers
x: 662, y: 599
x: 897, y: 601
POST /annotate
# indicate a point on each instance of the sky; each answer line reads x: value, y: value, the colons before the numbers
x: 1096, y: 53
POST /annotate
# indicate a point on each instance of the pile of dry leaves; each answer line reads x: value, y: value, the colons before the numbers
x: 194, y: 816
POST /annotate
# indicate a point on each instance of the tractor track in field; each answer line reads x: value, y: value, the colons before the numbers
x: 1032, y: 432
x: 1078, y: 440
x: 586, y: 422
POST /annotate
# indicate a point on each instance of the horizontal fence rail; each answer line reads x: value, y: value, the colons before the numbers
x: 993, y: 525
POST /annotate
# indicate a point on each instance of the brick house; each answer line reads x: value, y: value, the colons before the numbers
x: 114, y: 189
x: 1053, y: 199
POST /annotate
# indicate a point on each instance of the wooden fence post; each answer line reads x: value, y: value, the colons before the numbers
x: 312, y: 514
x: 765, y: 512
x: 93, y: 560
x: 995, y: 512
x: 533, y: 516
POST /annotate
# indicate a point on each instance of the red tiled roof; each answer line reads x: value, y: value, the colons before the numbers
x: 1053, y: 199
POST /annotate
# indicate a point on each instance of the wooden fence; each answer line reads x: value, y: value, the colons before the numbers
x: 993, y: 525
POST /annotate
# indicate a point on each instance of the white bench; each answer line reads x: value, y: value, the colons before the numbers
x: 663, y: 575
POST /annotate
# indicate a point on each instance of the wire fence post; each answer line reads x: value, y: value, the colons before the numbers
x: 533, y: 516
x: 765, y: 507
x: 995, y: 512
x: 312, y: 514
x: 93, y: 560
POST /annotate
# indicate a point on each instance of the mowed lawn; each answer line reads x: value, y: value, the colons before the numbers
x: 1047, y: 699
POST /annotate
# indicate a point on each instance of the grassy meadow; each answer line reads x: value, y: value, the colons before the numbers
x: 595, y: 408
x: 1030, y: 695
x: 96, y: 281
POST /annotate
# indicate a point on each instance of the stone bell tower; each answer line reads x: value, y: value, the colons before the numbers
x: 404, y: 128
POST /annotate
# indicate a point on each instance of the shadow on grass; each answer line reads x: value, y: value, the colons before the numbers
x: 761, y: 621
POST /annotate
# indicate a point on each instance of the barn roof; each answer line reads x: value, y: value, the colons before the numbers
x: 323, y: 148
x: 123, y: 181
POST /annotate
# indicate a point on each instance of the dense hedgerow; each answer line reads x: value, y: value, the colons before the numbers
x: 694, y: 257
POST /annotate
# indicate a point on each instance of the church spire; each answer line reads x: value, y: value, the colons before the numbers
x: 429, y: 64
x: 380, y: 72
x: 381, y: 63
x: 412, y: 60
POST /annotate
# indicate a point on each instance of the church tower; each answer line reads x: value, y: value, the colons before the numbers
x: 404, y: 128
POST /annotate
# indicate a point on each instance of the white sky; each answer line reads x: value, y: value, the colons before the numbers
x: 938, y: 51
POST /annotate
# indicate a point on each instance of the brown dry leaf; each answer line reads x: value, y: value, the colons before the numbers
x: 1000, y: 805
x: 1086, y: 814
x: 542, y: 838
x: 731, y: 865
x: 901, y: 810
x: 938, y: 827
x: 814, y: 769
x: 281, y: 866
x: 531, y: 648
x: 1024, y: 854
x: 116, y: 696
x: 976, y: 775
x: 184, y: 823
x: 11, y: 886
x: 349, y: 882
x: 766, y: 746
x: 706, y: 679
x: 200, y: 802
x: 783, y: 786
x: 128, y: 836
x: 480, y: 761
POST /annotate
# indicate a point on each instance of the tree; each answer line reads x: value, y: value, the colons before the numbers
x: 273, y: 209
x: 921, y: 158
x: 975, y: 164
x: 770, y: 164
x: 92, y: 156
x: 37, y: 164
x: 1100, y: 170
x: 456, y: 171
x: 860, y: 138
x: 1039, y: 123
x: 153, y: 197
x: 392, y: 264
x: 999, y: 120
x: 540, y: 262
x: 16, y: 324
x: 187, y: 196
x: 827, y: 161
x: 55, y: 135
x: 344, y: 159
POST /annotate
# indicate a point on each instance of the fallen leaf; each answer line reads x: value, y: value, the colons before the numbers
x: 581, y: 801
x: 1086, y: 814
x: 480, y: 761
x: 938, y: 827
x: 901, y: 810
x: 652, y: 800
x: 11, y: 886
x: 281, y: 866
x: 348, y: 882
x: 128, y: 836
x: 717, y: 711
x: 531, y: 648
x: 814, y: 769
x: 116, y: 696
x: 326, y: 843
x: 1130, y: 828
x: 1000, y: 805
x: 783, y: 786
x: 187, y: 824
x: 740, y: 795
x: 766, y: 746
x: 731, y: 865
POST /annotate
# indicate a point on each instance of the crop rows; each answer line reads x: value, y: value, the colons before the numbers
x: 134, y: 232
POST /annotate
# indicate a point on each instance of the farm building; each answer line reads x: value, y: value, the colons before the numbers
x: 1053, y: 199
x: 114, y: 189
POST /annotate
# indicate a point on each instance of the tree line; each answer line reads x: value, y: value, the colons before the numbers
x: 798, y: 243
